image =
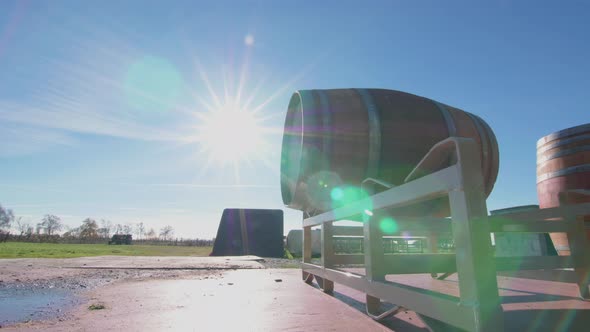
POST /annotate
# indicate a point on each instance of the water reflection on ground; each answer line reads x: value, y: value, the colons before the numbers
x: 18, y: 304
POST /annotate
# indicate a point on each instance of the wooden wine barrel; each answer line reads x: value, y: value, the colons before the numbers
x: 338, y: 138
x: 563, y: 173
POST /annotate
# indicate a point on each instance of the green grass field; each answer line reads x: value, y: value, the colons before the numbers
x: 51, y: 250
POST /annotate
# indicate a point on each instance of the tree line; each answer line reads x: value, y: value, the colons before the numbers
x: 90, y: 230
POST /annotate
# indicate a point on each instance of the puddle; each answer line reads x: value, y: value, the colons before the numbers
x: 23, y: 304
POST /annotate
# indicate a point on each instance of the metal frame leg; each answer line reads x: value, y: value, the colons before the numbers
x: 327, y: 256
x: 580, y: 252
x: 306, y: 253
x: 375, y: 266
x: 476, y: 267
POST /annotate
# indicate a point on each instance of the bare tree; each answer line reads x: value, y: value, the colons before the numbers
x: 72, y: 232
x: 29, y: 230
x: 126, y: 229
x: 89, y: 228
x: 106, y: 229
x: 140, y: 230
x: 151, y: 234
x: 22, y: 226
x: 166, y: 232
x: 118, y: 228
x: 6, y: 217
x: 103, y: 232
x: 50, y: 224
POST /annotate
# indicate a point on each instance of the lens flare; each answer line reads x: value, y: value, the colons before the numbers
x: 346, y: 195
x: 153, y: 84
x: 249, y: 40
x: 388, y: 225
x: 337, y: 194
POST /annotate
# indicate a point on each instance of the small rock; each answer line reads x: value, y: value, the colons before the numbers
x: 230, y: 283
x: 278, y: 280
x: 96, y: 306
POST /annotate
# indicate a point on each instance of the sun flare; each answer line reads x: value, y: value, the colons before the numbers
x: 232, y: 126
x: 229, y: 135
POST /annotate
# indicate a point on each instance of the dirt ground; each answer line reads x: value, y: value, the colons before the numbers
x: 182, y: 294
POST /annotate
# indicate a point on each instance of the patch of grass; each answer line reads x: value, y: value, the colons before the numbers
x: 96, y: 306
x: 53, y: 250
x: 287, y: 254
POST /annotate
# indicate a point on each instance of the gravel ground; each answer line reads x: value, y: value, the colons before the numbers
x: 281, y: 263
x: 53, y: 273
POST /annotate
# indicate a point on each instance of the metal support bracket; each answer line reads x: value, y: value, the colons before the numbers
x: 451, y: 168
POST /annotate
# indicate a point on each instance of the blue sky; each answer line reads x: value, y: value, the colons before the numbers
x: 100, y: 102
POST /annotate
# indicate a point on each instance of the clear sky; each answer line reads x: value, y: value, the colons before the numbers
x: 103, y: 103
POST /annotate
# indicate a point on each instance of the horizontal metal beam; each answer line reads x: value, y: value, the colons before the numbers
x: 533, y: 263
x: 443, y: 263
x: 347, y: 230
x: 543, y: 214
x: 422, y: 189
x: 405, y: 226
x: 541, y: 226
x: 432, y: 304
x: 428, y: 226
x: 406, y: 263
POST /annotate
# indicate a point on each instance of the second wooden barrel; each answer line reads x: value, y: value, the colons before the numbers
x: 337, y: 138
x: 563, y: 173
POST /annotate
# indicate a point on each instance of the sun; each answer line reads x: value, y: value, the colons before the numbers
x: 232, y: 126
x: 230, y: 135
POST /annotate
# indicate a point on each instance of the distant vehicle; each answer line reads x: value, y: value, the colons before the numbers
x: 121, y: 239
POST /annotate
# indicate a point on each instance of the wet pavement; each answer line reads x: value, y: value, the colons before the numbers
x: 38, y: 289
x: 20, y: 304
x: 155, y: 294
x: 238, y: 300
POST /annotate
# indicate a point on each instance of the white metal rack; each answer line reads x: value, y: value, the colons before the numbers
x: 478, y: 308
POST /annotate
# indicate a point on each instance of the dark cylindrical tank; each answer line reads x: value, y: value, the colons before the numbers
x: 563, y: 173
x: 521, y: 244
x: 338, y: 138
